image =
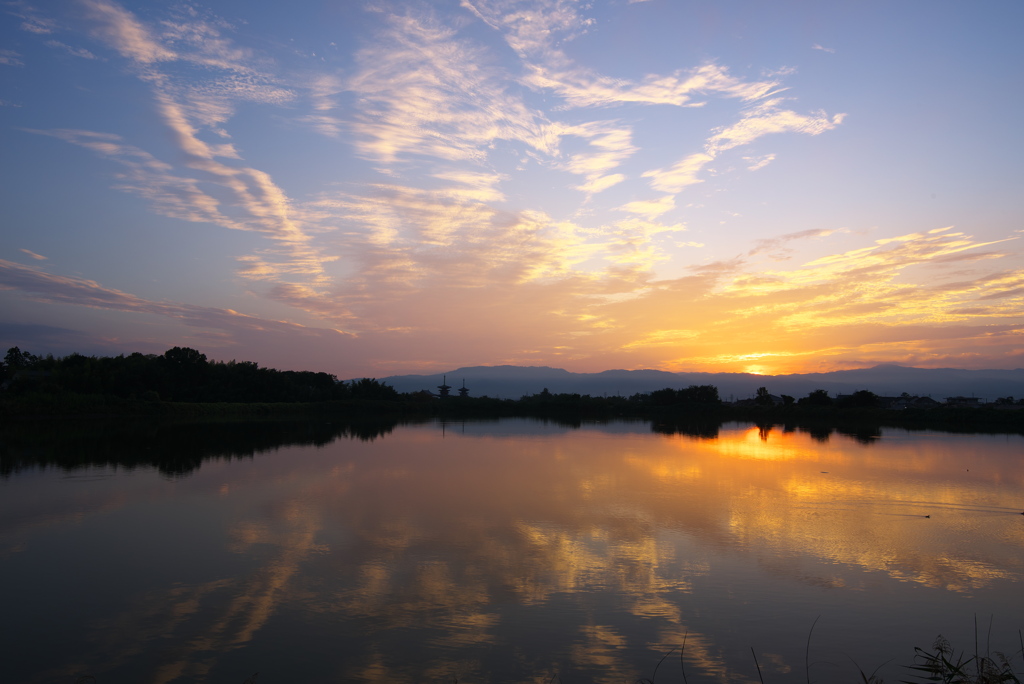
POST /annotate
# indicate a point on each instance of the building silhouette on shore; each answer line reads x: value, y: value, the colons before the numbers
x: 445, y: 390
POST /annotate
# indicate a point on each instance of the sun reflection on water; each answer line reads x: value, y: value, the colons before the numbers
x: 447, y: 545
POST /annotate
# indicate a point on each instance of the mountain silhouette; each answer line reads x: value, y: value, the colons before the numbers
x: 512, y: 382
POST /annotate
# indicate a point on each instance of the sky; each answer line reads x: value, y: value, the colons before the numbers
x: 379, y: 187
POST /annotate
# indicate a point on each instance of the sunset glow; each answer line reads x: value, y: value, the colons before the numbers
x: 373, y: 188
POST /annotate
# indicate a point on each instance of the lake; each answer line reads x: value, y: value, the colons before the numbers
x: 504, y: 551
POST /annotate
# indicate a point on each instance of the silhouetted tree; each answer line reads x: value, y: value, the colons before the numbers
x: 700, y: 394
x: 185, y: 373
x: 763, y: 397
x: 860, y: 399
x: 16, y: 360
x: 818, y: 397
x: 371, y: 388
x: 184, y: 357
x: 663, y: 397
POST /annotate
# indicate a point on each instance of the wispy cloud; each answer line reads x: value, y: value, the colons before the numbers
x: 250, y: 200
x: 322, y: 90
x: 609, y: 146
x: 74, y: 51
x: 10, y: 58
x: 650, y: 208
x: 683, y: 173
x: 499, y: 200
x: 873, y: 299
x: 765, y: 118
x: 757, y: 163
x: 424, y: 91
x: 54, y: 289
x: 758, y: 120
x: 32, y: 20
x: 118, y: 28
x: 256, y: 204
x: 37, y: 257
x: 777, y: 247
x: 580, y: 87
x: 535, y: 28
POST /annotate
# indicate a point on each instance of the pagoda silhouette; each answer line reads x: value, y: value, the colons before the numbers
x: 445, y: 390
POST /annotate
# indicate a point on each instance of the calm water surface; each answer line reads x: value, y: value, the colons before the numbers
x: 515, y: 551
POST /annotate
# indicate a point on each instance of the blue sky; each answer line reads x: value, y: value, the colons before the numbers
x: 370, y: 188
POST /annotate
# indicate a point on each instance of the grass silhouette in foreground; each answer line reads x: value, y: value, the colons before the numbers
x: 941, y: 664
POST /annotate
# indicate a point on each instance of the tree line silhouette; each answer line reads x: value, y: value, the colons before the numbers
x: 180, y: 374
x: 184, y: 383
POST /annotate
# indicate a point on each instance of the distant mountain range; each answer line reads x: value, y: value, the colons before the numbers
x: 512, y: 382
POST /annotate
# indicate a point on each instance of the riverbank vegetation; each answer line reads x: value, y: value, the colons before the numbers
x: 183, y: 384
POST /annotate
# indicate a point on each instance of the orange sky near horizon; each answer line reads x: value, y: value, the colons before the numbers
x: 372, y: 189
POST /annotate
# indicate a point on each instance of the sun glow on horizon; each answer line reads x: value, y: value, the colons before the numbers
x: 449, y: 185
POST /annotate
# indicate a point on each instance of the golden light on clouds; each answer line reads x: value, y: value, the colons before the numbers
x: 587, y: 198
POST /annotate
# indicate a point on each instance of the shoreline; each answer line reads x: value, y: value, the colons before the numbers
x: 570, y: 409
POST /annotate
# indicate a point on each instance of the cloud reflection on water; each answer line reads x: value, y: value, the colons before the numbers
x: 430, y: 555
